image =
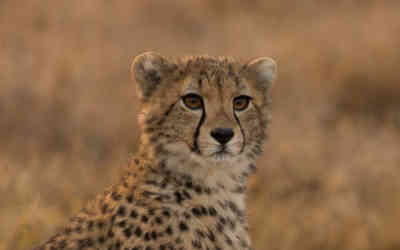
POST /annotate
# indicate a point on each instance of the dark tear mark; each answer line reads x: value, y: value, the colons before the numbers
x: 241, y: 130
x: 197, y: 132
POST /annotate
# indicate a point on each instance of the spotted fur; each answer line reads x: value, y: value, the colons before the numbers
x: 178, y: 191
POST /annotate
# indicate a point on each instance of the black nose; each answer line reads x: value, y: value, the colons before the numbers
x: 222, y: 135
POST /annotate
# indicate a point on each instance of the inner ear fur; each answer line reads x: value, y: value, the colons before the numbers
x: 148, y: 70
x: 263, y: 71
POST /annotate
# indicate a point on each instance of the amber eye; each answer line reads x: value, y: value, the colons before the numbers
x: 193, y: 101
x: 240, y: 103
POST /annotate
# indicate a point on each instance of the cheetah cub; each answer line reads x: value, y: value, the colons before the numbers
x: 203, y: 124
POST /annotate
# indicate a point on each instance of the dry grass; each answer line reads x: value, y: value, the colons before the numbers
x: 329, y: 176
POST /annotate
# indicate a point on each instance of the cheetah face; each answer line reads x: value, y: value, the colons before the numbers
x: 216, y: 106
x: 208, y: 107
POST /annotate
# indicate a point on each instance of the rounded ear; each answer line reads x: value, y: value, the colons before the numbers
x: 263, y: 70
x: 149, y: 69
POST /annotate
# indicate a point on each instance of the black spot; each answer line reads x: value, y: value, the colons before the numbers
x: 151, y: 211
x: 110, y: 234
x: 145, y: 219
x: 189, y: 184
x: 138, y: 231
x: 169, y: 230
x: 211, y: 235
x: 200, y: 233
x: 147, y: 236
x: 183, y: 227
x: 128, y: 232
x: 198, y: 189
x: 134, y: 214
x: 101, y: 239
x: 83, y: 243
x: 196, y: 211
x: 178, y: 197
x: 100, y: 224
x: 90, y: 225
x: 166, y: 213
x: 212, y: 211
x: 235, y: 209
x: 122, y: 223
x: 149, y: 248
x: 129, y: 198
x: 203, y: 210
x: 121, y: 211
x: 118, y: 245
x: 154, y: 235
x: 196, y: 244
x: 220, y: 227
x: 158, y: 220
x: 186, y: 194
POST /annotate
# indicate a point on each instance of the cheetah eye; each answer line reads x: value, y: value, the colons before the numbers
x: 241, y: 103
x: 193, y: 101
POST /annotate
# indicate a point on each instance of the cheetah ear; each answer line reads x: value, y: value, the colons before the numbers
x: 148, y: 70
x: 263, y: 71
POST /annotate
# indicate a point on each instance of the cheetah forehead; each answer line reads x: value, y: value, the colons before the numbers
x: 222, y: 73
x: 192, y: 64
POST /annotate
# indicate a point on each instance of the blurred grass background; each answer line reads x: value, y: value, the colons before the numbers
x: 329, y: 177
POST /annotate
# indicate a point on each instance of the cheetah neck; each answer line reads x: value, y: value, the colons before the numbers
x: 223, y: 181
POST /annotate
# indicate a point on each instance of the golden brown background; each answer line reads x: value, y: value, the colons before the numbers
x: 329, y: 177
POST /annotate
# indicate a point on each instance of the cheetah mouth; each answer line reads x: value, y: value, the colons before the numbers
x: 222, y: 153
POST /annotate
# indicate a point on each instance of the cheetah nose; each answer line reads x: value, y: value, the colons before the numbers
x: 222, y: 135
